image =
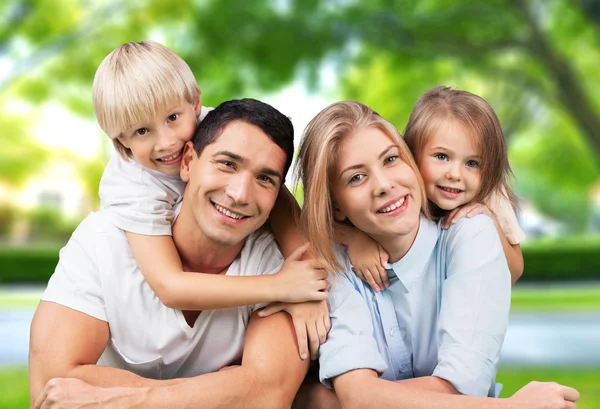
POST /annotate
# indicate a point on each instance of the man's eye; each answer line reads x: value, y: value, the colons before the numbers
x: 173, y: 117
x: 266, y: 179
x: 141, y: 132
x: 227, y: 163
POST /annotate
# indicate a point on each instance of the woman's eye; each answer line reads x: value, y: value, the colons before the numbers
x: 356, y: 178
x: 391, y: 159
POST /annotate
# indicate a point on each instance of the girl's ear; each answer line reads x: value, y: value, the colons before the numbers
x: 189, y: 155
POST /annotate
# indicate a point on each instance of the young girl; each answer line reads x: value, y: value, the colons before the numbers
x: 460, y: 149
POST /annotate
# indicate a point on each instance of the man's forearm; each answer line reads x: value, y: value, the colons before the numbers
x: 108, y: 377
x: 237, y: 388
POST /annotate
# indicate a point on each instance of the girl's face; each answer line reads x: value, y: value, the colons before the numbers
x: 450, y: 166
x: 376, y: 190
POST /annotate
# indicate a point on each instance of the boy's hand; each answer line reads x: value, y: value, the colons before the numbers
x: 469, y: 210
x: 311, y: 321
x: 368, y: 259
x: 301, y: 280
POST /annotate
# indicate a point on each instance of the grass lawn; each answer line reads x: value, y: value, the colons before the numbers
x: 14, y: 392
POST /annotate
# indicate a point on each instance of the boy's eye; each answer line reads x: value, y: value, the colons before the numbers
x: 141, y: 132
x: 441, y: 156
x: 472, y: 164
x: 173, y: 117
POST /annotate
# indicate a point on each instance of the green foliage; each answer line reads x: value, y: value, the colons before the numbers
x: 47, y: 224
x: 14, y: 387
x: 27, y: 264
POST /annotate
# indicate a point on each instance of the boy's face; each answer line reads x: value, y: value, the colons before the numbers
x: 158, y: 144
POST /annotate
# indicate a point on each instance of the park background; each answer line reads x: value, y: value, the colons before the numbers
x: 535, y: 61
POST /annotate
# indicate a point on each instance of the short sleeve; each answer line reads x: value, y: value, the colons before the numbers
x: 507, y: 218
x: 76, y: 282
x: 350, y: 343
x: 475, y: 305
x: 139, y: 200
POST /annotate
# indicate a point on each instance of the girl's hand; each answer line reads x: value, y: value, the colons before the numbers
x: 311, y: 322
x: 300, y: 279
x: 469, y: 210
x: 368, y: 259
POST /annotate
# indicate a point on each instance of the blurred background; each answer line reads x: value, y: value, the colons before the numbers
x: 536, y: 62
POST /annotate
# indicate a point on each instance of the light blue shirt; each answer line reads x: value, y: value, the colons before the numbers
x: 445, y: 313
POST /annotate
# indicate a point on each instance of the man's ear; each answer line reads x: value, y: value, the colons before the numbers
x: 338, y: 215
x: 188, y: 156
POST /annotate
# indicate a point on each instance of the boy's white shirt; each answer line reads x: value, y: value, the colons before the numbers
x: 140, y: 200
x: 506, y: 216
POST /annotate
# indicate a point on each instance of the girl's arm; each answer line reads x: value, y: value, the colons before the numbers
x: 284, y: 222
x: 368, y: 258
x: 514, y: 256
x: 160, y: 264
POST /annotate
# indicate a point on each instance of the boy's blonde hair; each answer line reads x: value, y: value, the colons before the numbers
x: 478, y: 118
x: 136, y: 81
x: 317, y: 158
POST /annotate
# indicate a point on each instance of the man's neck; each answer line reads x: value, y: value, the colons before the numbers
x: 197, y: 252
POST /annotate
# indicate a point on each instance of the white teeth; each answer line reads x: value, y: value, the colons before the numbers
x: 226, y: 212
x: 451, y: 190
x: 170, y: 158
x: 393, y: 206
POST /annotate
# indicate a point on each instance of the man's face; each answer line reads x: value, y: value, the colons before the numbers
x: 232, y: 186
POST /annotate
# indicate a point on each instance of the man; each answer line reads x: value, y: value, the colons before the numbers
x: 99, y: 321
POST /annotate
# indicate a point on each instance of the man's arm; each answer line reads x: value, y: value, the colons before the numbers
x: 68, y: 343
x: 269, y: 377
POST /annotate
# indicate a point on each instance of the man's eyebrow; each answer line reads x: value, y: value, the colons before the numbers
x: 231, y: 155
x: 241, y: 159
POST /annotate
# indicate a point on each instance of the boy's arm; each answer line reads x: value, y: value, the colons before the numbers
x: 284, y: 222
x: 159, y: 261
x: 268, y: 377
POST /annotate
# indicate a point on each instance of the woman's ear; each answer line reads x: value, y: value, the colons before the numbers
x: 188, y: 156
x: 338, y: 215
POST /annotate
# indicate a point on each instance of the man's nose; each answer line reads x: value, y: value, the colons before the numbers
x: 239, y: 188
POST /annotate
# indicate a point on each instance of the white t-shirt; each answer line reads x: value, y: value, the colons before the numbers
x: 97, y: 275
x: 140, y: 200
x: 507, y: 218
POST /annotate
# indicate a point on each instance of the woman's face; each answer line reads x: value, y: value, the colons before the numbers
x: 375, y: 189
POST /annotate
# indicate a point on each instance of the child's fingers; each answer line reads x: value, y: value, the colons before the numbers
x: 449, y: 218
x: 321, y: 331
x: 385, y: 281
x: 271, y: 309
x: 327, y: 322
x: 313, y: 339
x: 369, y: 278
x: 384, y: 257
x: 301, y: 336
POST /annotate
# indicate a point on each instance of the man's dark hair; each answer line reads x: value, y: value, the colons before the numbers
x: 277, y: 126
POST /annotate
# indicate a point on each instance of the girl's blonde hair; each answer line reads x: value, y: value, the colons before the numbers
x: 319, y: 150
x: 478, y: 118
x: 135, y: 82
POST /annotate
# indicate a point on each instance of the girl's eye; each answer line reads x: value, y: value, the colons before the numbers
x: 356, y: 178
x: 141, y: 132
x: 173, y: 117
x: 472, y: 164
x: 441, y: 156
x: 391, y: 159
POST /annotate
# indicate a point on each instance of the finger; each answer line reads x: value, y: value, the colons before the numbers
x: 359, y: 274
x: 376, y: 276
x: 570, y: 405
x: 371, y: 280
x: 327, y: 322
x: 449, y: 217
x: 298, y: 253
x: 271, y: 309
x: 320, y: 295
x: 383, y: 257
x: 321, y: 330
x: 477, y: 209
x: 313, y: 340
x: 41, y: 398
x: 300, y: 328
x: 570, y: 394
x: 385, y: 281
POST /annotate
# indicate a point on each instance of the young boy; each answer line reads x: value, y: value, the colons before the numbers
x: 148, y: 102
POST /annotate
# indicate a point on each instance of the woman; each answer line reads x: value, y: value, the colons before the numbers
x: 441, y: 323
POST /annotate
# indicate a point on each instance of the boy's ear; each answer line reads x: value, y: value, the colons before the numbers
x: 122, y: 140
x: 198, y: 106
x: 189, y: 154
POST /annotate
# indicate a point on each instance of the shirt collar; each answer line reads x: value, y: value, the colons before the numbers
x: 410, y: 267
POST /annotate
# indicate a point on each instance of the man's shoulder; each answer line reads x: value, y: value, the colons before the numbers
x: 260, y: 252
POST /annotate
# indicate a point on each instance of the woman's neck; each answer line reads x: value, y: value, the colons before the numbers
x: 398, y: 246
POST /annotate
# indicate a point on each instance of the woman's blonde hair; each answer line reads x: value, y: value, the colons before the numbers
x: 319, y: 150
x: 477, y: 117
x: 136, y: 81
